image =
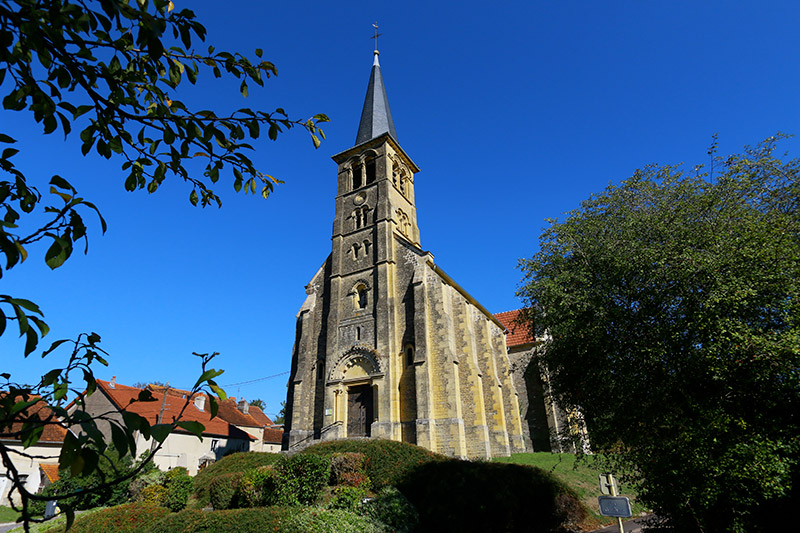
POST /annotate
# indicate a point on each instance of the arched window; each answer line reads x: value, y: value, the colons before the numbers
x: 360, y: 216
x: 409, y: 354
x: 361, y: 296
x: 357, y: 177
x: 370, y: 167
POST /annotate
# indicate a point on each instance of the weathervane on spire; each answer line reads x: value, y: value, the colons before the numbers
x: 375, y: 25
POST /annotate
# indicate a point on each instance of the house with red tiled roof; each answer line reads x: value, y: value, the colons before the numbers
x: 31, y: 461
x: 252, y: 419
x: 181, y: 448
x: 542, y: 419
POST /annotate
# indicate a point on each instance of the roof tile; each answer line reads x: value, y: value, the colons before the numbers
x: 518, y: 334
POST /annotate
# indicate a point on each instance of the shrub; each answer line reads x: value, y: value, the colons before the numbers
x: 479, y: 496
x: 348, y: 498
x: 238, y: 520
x: 387, y: 462
x: 349, y: 469
x: 300, y: 478
x: 139, y: 517
x: 153, y: 477
x: 392, y: 509
x: 237, y: 462
x: 154, y: 494
x: 317, y: 520
x: 223, y: 491
x: 255, y: 487
x: 179, y: 487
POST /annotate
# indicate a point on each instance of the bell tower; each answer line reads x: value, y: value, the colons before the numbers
x: 387, y: 345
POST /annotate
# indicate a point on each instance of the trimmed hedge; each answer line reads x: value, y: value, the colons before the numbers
x: 316, y: 520
x: 223, y: 489
x: 387, y: 461
x: 236, y: 462
x: 238, y: 520
x: 136, y: 517
x: 455, y: 495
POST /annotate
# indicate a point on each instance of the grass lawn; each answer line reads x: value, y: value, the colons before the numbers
x: 581, y: 475
x: 7, y: 514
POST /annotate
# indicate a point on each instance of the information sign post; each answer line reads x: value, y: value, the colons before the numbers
x: 611, y: 504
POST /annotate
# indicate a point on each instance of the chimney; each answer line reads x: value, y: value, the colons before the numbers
x: 200, y: 402
x: 244, y: 406
x: 113, y: 383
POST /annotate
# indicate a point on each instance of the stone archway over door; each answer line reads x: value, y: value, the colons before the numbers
x: 359, y: 410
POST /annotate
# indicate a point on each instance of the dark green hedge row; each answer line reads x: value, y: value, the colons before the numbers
x: 455, y: 495
x: 236, y: 462
x: 387, y: 461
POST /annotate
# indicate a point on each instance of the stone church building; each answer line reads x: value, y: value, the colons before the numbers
x: 387, y: 344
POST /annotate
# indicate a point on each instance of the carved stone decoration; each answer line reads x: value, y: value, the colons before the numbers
x: 360, y: 198
x: 358, y: 361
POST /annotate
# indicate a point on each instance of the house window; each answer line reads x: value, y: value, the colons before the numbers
x: 214, y: 444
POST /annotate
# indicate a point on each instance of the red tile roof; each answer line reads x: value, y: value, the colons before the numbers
x: 273, y: 435
x: 122, y: 396
x: 52, y: 432
x: 229, y: 411
x: 50, y: 471
x: 259, y: 416
x: 518, y: 334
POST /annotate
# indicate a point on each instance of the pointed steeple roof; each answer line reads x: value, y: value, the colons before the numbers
x: 376, y: 117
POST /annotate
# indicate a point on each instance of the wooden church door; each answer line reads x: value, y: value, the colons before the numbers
x: 359, y: 411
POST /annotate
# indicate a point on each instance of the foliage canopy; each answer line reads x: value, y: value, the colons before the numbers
x: 670, y: 309
x: 110, y: 69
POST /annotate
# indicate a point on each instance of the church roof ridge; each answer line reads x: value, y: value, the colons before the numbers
x: 376, y: 117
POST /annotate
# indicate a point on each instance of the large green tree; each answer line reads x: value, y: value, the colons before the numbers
x: 108, y: 71
x: 670, y: 309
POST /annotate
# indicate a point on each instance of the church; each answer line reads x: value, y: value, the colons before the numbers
x: 387, y: 345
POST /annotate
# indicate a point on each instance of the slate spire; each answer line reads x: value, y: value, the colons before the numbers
x: 376, y: 117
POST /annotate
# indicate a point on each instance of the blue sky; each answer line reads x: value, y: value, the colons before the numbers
x: 515, y: 112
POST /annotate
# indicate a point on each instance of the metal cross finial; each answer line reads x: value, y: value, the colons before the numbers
x: 375, y: 25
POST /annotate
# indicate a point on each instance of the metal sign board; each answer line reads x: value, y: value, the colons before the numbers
x: 618, y: 506
x: 608, y: 485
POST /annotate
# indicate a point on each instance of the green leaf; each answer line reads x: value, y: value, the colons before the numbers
x: 57, y: 254
x: 31, y: 435
x: 213, y: 406
x: 193, y: 427
x: 206, y: 376
x: 160, y: 431
x: 193, y: 197
x: 120, y: 439
x: 31, y: 340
